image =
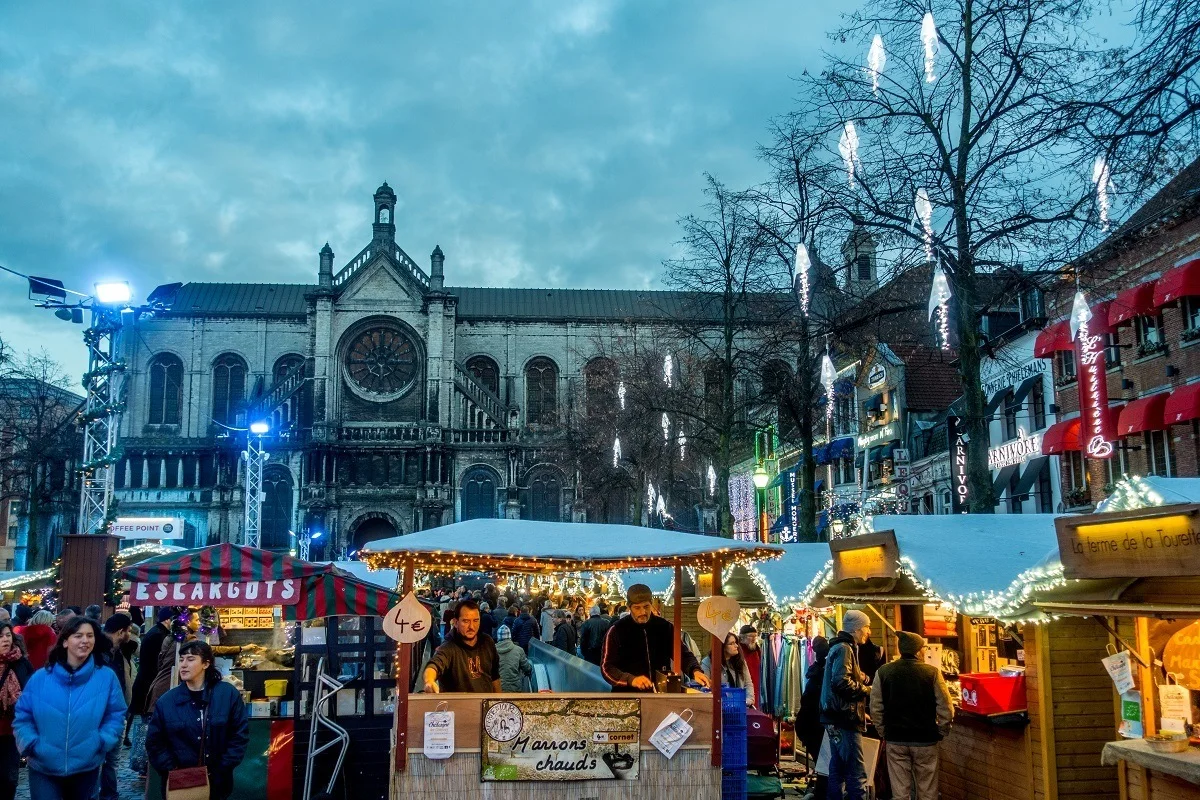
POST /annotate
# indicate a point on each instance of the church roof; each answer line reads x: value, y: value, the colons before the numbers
x: 474, y: 303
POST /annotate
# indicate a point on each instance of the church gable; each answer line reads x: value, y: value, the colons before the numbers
x: 380, y: 282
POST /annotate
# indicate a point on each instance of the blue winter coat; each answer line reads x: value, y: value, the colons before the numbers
x: 66, y: 722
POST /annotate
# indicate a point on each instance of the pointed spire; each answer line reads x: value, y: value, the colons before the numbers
x: 325, y: 270
x: 437, y: 274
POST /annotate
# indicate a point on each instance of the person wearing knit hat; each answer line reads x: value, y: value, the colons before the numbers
x: 514, y: 664
x: 592, y: 633
x: 641, y: 644
x: 844, y: 696
x: 910, y: 706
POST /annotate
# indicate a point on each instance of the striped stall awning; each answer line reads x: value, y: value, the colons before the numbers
x: 325, y: 590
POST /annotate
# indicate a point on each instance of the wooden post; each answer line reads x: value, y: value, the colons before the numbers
x: 718, y: 653
x: 678, y: 644
x: 403, y: 676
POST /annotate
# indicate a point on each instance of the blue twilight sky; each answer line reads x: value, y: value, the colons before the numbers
x: 547, y: 143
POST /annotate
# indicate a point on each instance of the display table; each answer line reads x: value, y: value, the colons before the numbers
x: 1185, y: 765
x: 687, y: 776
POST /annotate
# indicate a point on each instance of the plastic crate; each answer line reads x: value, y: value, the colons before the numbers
x: 990, y: 693
x: 733, y: 784
x: 733, y: 699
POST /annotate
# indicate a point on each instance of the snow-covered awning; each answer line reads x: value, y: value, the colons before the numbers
x: 784, y: 580
x: 1137, y: 492
x: 505, y: 545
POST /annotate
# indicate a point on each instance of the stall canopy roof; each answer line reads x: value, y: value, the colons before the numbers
x: 325, y: 590
x: 509, y: 545
x: 786, y: 578
x: 963, y: 555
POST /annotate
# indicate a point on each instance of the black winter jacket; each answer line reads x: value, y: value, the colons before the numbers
x: 147, y: 669
x: 631, y: 650
x: 524, y: 629
x: 591, y: 637
x: 564, y: 637
x: 173, y: 736
x: 845, y: 692
x: 808, y: 720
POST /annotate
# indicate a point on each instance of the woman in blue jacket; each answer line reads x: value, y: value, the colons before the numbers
x: 201, y: 722
x: 69, y: 716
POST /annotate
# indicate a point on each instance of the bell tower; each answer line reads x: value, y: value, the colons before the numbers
x: 385, y: 215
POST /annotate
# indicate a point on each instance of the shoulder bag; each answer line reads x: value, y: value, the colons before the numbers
x: 191, y: 783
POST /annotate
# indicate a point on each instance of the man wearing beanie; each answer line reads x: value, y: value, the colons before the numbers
x: 910, y: 706
x: 844, y: 709
x: 637, y: 645
x: 591, y: 635
x: 514, y: 664
x: 752, y: 655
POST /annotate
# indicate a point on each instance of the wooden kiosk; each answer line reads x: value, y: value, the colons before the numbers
x: 523, y: 547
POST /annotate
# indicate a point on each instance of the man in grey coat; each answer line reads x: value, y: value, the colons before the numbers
x: 514, y: 664
x: 844, y: 709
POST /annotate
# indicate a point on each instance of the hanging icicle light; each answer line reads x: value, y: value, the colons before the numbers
x: 668, y: 368
x: 803, y: 265
x: 616, y: 452
x: 651, y: 495
x: 666, y: 426
x: 662, y: 506
x: 682, y: 445
x: 1102, y: 177
x: 828, y: 378
x: 929, y: 39
x: 848, y: 147
x: 621, y: 394
x: 1080, y: 314
x: 925, y: 215
x: 939, y: 301
x: 712, y: 481
x: 876, y: 58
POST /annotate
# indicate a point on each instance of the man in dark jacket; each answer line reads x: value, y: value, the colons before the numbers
x: 809, y: 729
x: 467, y: 661
x: 152, y: 644
x: 638, y: 645
x: 500, y: 612
x: 525, y: 628
x: 487, y: 623
x: 591, y: 635
x: 843, y: 708
x: 564, y: 632
x: 910, y: 706
x: 510, y: 620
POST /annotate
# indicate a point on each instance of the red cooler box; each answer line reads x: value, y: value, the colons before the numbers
x: 991, y: 693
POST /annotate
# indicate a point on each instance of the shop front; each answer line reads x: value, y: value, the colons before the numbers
x: 558, y: 744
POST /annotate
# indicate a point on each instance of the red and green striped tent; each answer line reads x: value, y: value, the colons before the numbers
x: 325, y: 590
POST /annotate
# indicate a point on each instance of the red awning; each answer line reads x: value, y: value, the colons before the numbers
x: 1131, y: 303
x: 1099, y: 323
x: 1183, y: 405
x: 1145, y: 414
x: 1183, y: 280
x: 1061, y: 437
x: 1052, y: 339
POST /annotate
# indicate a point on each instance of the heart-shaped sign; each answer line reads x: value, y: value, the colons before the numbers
x: 718, y: 615
x: 408, y: 621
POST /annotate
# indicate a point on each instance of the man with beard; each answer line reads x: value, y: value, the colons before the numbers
x: 752, y: 655
x: 641, y: 643
x: 467, y: 661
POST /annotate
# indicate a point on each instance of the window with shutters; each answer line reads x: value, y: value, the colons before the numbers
x: 166, y: 390
x: 479, y: 494
x: 541, y: 392
x: 229, y: 388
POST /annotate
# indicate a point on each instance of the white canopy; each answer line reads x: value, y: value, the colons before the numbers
x: 387, y: 578
x: 786, y: 578
x: 526, y: 546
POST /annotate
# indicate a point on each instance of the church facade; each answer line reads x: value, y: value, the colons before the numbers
x: 395, y: 403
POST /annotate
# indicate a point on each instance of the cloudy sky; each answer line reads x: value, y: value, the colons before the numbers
x: 550, y: 143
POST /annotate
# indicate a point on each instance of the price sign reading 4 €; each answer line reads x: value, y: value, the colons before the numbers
x: 407, y: 621
x: 718, y: 615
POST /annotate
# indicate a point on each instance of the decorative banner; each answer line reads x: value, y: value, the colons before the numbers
x: 959, y: 493
x: 217, y: 593
x: 407, y: 621
x: 718, y: 615
x: 561, y: 739
x: 439, y: 734
x: 1120, y: 669
x: 1096, y: 433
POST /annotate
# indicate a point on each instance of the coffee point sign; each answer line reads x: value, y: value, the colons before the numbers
x: 1146, y: 543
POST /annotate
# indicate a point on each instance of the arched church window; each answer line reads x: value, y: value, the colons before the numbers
x: 486, y: 371
x: 229, y: 388
x: 166, y: 390
x: 479, y: 494
x: 543, y: 498
x: 541, y: 392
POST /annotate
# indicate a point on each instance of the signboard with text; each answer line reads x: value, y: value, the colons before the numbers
x: 147, y: 528
x: 217, y: 593
x: 871, y: 555
x: 1097, y: 433
x: 561, y: 739
x: 957, y: 435
x: 1147, y: 543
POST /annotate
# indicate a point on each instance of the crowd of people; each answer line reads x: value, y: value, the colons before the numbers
x: 74, y: 688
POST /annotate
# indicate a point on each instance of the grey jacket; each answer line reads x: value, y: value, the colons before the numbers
x: 513, y: 664
x: 845, y: 692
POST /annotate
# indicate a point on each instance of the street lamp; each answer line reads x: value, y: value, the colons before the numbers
x: 255, y: 458
x: 761, y: 479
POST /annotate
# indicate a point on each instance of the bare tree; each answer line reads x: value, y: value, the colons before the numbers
x: 992, y: 140
x: 38, y: 443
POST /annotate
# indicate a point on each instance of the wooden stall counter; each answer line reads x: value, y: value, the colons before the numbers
x: 1150, y: 774
x: 986, y: 757
x: 558, y: 734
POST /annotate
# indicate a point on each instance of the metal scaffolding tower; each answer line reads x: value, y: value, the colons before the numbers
x: 255, y: 458
x: 101, y: 418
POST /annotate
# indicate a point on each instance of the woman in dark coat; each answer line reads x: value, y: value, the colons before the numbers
x: 201, y: 722
x: 15, y: 670
x: 809, y: 729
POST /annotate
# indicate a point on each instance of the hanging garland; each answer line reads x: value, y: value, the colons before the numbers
x: 208, y: 620
x: 112, y: 584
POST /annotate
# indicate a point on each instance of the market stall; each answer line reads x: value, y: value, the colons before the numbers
x: 249, y: 584
x: 945, y: 577
x: 624, y: 723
